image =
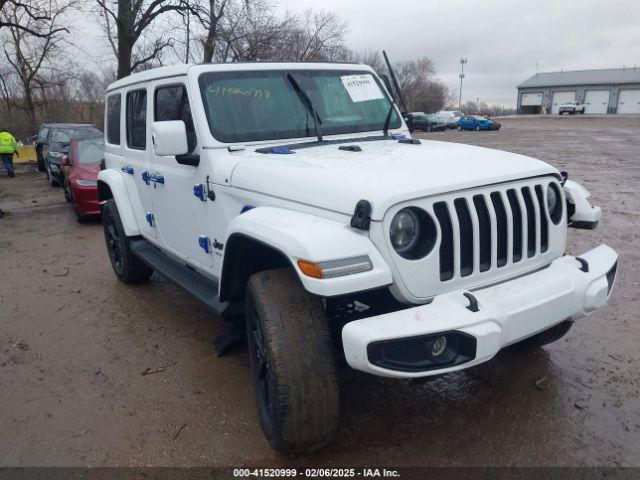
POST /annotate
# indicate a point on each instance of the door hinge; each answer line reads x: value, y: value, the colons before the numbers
x: 127, y: 169
x: 205, y: 243
x: 199, y: 192
x: 151, y: 220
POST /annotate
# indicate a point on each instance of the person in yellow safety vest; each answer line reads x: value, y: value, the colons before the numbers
x: 8, y: 146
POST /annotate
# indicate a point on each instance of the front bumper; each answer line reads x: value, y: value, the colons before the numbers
x: 86, y: 199
x: 569, y: 288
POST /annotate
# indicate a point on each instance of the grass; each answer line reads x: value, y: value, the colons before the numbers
x: 27, y: 154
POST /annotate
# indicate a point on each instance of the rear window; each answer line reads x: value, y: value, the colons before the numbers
x: 89, y: 150
x: 113, y: 119
x: 137, y: 119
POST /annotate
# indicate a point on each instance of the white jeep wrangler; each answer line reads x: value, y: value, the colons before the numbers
x: 295, y: 191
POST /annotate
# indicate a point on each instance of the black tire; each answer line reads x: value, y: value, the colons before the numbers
x: 68, y: 195
x: 50, y: 178
x: 40, y: 162
x: 548, y: 336
x: 293, y: 363
x: 82, y: 218
x: 127, y: 267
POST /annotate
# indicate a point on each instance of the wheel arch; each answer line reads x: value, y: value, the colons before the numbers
x: 270, y: 237
x: 244, y: 256
x: 111, y: 186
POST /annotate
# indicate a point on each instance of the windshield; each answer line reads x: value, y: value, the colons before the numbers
x: 263, y: 105
x: 90, y: 150
x: 64, y: 135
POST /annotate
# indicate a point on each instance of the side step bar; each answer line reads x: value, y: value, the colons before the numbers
x: 201, y: 287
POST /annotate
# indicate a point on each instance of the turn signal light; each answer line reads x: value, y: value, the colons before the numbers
x: 336, y: 268
x: 310, y: 269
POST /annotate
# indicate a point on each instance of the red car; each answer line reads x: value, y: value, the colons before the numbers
x: 81, y: 169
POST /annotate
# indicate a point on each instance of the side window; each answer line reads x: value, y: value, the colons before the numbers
x: 59, y: 136
x: 42, y: 136
x: 113, y: 119
x: 137, y: 119
x: 172, y: 103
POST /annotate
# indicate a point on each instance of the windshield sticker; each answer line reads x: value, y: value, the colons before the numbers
x: 361, y: 87
x: 245, y: 92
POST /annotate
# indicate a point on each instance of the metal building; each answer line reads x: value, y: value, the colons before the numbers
x: 614, y: 90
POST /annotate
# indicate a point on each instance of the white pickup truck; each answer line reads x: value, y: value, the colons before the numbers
x: 571, y: 108
x: 294, y: 194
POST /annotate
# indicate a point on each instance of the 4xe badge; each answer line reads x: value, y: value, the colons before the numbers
x: 217, y: 245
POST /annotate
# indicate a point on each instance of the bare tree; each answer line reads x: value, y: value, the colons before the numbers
x: 35, y: 10
x: 318, y: 37
x: 422, y: 91
x: 210, y: 14
x: 372, y: 58
x: 131, y: 20
x: 29, y: 54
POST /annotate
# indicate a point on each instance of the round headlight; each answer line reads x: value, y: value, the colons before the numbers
x: 405, y: 230
x: 412, y: 233
x: 554, y: 203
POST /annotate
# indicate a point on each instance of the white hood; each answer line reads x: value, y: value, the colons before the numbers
x: 384, y: 173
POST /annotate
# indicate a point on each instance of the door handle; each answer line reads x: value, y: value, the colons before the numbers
x: 148, y: 177
x: 156, y: 177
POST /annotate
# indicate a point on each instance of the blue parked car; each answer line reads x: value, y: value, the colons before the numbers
x: 476, y: 122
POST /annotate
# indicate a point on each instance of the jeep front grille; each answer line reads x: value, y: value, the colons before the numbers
x: 501, y: 226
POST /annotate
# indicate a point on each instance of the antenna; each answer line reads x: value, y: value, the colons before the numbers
x: 395, y: 83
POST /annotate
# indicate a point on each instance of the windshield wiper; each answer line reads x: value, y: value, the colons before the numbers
x: 387, y: 121
x: 316, y: 118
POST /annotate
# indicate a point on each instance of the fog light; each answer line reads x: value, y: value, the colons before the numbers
x: 438, y: 346
x: 423, y: 352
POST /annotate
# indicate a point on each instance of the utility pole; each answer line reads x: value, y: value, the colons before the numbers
x: 462, y: 62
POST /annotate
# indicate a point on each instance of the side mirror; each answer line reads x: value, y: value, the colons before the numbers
x: 169, y: 138
x: 65, y: 161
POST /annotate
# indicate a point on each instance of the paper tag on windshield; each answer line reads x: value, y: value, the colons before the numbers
x: 361, y: 87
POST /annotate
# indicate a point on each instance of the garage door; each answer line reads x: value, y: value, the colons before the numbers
x: 561, y: 97
x: 629, y: 101
x: 531, y: 99
x: 596, y: 101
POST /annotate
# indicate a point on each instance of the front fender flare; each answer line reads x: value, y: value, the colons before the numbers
x: 303, y: 236
x: 113, y: 179
x: 584, y: 215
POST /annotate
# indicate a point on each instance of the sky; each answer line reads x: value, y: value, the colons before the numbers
x: 501, y: 39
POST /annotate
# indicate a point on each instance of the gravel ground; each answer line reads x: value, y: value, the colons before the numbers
x: 74, y: 343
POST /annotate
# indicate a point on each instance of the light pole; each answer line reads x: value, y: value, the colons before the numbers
x: 462, y: 62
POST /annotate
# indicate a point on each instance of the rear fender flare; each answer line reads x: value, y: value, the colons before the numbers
x: 111, y: 185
